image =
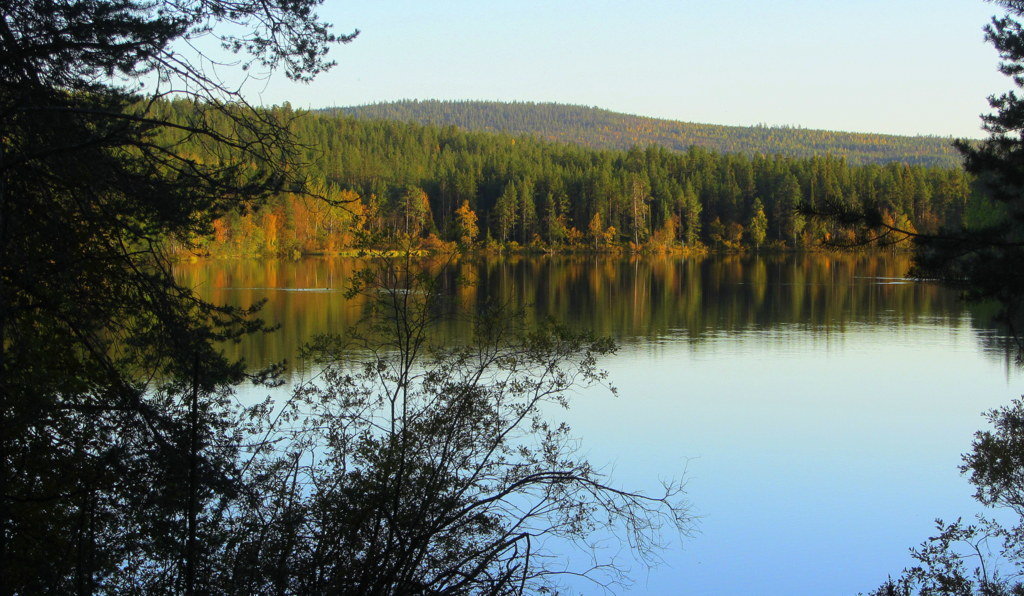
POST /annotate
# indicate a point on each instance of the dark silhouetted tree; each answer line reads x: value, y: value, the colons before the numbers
x: 112, y: 431
x: 415, y: 467
x: 985, y: 257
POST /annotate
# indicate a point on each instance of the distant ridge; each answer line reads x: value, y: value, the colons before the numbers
x: 604, y: 129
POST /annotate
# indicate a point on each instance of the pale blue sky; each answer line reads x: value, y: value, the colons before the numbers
x: 893, y: 66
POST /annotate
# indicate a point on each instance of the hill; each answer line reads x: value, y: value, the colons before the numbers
x: 389, y: 182
x: 603, y: 129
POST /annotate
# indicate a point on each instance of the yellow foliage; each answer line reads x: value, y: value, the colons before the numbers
x: 466, y: 224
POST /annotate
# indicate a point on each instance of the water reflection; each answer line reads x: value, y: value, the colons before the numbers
x: 642, y: 298
x: 818, y: 403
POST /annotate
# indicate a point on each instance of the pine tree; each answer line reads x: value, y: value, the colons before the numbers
x: 691, y: 216
x: 505, y: 212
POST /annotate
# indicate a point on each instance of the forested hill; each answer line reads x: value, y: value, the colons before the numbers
x: 391, y: 182
x: 603, y: 129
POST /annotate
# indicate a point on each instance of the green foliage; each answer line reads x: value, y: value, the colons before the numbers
x: 985, y: 252
x: 982, y: 250
x: 758, y: 225
x: 602, y: 129
x: 523, y: 189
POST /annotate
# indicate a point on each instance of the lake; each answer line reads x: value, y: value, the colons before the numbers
x: 817, y: 404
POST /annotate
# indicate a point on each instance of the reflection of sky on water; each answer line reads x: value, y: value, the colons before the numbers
x: 814, y: 461
x: 818, y: 403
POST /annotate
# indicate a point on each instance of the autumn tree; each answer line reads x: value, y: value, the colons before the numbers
x: 986, y: 256
x: 595, y: 230
x: 717, y: 233
x: 112, y: 431
x: 638, y: 210
x: 466, y: 229
x: 758, y: 225
x: 534, y: 187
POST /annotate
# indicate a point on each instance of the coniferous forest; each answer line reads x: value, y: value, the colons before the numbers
x: 406, y: 430
x: 387, y: 181
x: 603, y: 129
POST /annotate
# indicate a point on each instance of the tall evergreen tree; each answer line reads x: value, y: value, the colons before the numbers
x: 97, y: 465
x: 505, y: 212
x: 987, y: 258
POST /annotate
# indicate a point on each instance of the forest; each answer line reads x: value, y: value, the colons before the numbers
x: 443, y: 187
x: 133, y: 457
x: 603, y: 129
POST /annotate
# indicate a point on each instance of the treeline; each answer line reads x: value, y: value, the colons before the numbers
x: 388, y: 182
x: 603, y: 129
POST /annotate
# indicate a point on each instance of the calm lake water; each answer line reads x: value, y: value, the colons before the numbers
x: 817, y: 405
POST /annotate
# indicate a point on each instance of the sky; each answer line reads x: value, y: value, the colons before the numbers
x: 893, y: 66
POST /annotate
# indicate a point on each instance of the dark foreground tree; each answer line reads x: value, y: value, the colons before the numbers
x: 986, y: 259
x: 984, y: 252
x: 125, y: 466
x: 986, y: 557
x: 98, y: 467
x: 412, y: 467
